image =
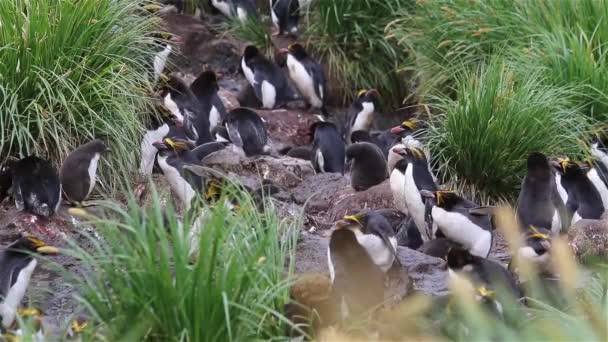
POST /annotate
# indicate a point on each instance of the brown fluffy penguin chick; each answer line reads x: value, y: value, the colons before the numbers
x: 79, y: 171
x: 368, y: 165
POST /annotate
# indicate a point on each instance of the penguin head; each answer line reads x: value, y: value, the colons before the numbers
x: 599, y: 139
x: 538, y: 166
x: 172, y: 146
x: 205, y: 83
x: 537, y: 244
x: 250, y: 52
x: 567, y: 168
x: 407, y: 127
x: 358, y: 219
x: 368, y: 96
x: 297, y: 50
x: 95, y: 146
x: 29, y: 243
x: 360, y: 136
x: 441, y: 198
x: 411, y: 154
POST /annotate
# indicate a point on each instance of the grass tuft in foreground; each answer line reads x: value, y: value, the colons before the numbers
x: 72, y: 71
x: 140, y: 283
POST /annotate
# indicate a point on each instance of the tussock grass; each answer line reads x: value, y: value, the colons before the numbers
x: 254, y: 31
x: 71, y: 72
x: 141, y: 285
x: 348, y: 36
x: 498, y: 116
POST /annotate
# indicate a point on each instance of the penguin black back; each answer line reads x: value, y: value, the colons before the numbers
x: 539, y: 203
x: 368, y: 165
x: 36, y: 186
x: 358, y: 282
x: 328, y: 150
x: 6, y: 180
x: 247, y: 130
x: 205, y: 89
x: 583, y: 198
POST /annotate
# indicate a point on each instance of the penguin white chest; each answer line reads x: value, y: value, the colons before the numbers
x: 461, y: 229
x: 414, y: 203
x: 594, y: 177
x: 8, y: 307
x: 214, y: 118
x: 242, y: 14
x: 248, y: 72
x: 148, y: 151
x: 601, y: 155
x: 303, y: 81
x: 363, y: 121
x: 376, y: 248
x: 397, y: 182
x: 173, y: 108
x: 222, y: 6
x: 320, y: 160
x: 275, y: 18
x: 269, y: 95
x: 563, y: 194
x: 160, y: 60
x: 93, y: 172
x: 178, y: 184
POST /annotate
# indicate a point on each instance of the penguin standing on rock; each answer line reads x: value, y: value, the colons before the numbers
x: 16, y: 267
x: 307, y: 75
x: 78, y: 172
x: 36, y: 186
x: 357, y: 283
x: 539, y: 203
x: 247, y: 132
x: 417, y: 178
x: 375, y: 234
x: 328, y: 151
x: 583, y: 201
x: 205, y: 89
x: 368, y: 166
x: 460, y: 220
x: 361, y: 112
x: 268, y: 81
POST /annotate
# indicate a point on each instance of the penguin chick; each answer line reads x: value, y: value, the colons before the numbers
x: 266, y: 78
x: 368, y: 165
x: 247, y: 131
x: 307, y: 75
x: 16, y: 267
x: 481, y: 271
x: 539, y: 203
x: 357, y: 283
x: 535, y: 249
x: 461, y: 221
x: 375, y: 234
x: 583, y: 201
x: 361, y: 112
x: 205, y: 89
x: 328, y: 150
x: 78, y: 172
x: 36, y: 186
x: 417, y: 178
x: 383, y: 139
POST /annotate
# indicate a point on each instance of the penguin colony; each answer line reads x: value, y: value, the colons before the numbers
x: 555, y: 193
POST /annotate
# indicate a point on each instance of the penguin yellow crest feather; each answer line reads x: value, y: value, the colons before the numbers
x: 442, y: 194
x: 362, y: 92
x: 485, y: 292
x: 411, y: 123
x: 537, y: 234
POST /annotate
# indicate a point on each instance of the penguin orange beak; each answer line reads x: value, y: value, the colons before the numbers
x: 400, y: 151
x: 397, y: 130
x: 284, y: 51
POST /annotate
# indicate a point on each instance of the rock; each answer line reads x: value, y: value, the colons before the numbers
x: 376, y: 197
x: 285, y: 171
x: 427, y: 273
x: 291, y: 127
x: 229, y: 98
x: 320, y: 190
x: 589, y: 238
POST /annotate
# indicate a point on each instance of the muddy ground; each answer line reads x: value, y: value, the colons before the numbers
x: 322, y: 198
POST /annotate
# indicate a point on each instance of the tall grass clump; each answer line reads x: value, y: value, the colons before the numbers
x: 254, y: 31
x: 348, y: 36
x: 142, y: 284
x: 484, y: 134
x: 72, y: 71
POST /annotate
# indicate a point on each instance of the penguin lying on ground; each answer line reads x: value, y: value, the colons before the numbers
x: 241, y: 9
x: 368, y: 166
x: 361, y: 113
x: 417, y: 178
x: 78, y: 172
x: 583, y: 201
x: 459, y: 220
x: 307, y: 75
x: 16, y: 267
x: 35, y: 186
x: 357, y: 283
x: 247, y: 132
x: 328, y: 150
x: 285, y: 15
x: 268, y: 81
x: 205, y: 89
x: 375, y: 234
x: 539, y: 203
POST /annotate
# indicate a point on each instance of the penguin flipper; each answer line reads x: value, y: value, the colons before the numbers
x: 482, y: 210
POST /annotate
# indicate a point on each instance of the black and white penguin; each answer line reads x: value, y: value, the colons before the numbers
x: 328, y: 150
x: 539, y: 203
x: 375, y: 234
x: 205, y: 89
x: 409, y: 132
x: 368, y: 165
x: 16, y: 267
x: 357, y: 283
x: 169, y: 129
x: 164, y: 44
x: 535, y: 249
x: 583, y: 200
x: 307, y: 75
x: 36, y: 186
x: 268, y: 81
x: 417, y: 178
x: 460, y: 220
x: 241, y: 9
x: 397, y: 183
x: 247, y: 132
x: 6, y: 180
x: 361, y: 112
x: 481, y: 271
x: 285, y: 15
x: 78, y: 172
